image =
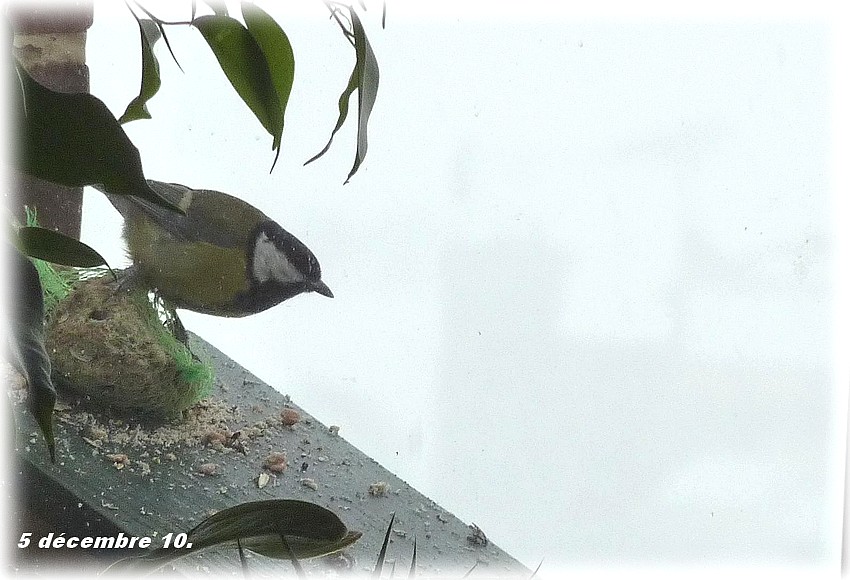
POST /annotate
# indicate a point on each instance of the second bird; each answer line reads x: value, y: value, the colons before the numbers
x: 223, y: 257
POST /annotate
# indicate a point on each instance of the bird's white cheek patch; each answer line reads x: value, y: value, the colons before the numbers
x: 271, y: 264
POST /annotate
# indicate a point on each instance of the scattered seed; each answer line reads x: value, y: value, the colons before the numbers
x: 119, y: 460
x: 263, y: 480
x: 379, y: 488
x: 275, y: 461
x: 289, y: 417
x: 215, y: 437
x: 208, y: 469
x: 477, y: 537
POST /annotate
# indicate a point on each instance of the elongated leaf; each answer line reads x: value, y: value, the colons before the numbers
x: 367, y: 90
x: 412, y: 572
x: 279, y: 57
x: 290, y: 555
x: 364, y: 79
x: 72, y: 139
x: 161, y: 29
x: 57, y: 248
x: 310, y: 531
x: 343, y: 114
x: 379, y: 564
x: 138, y: 109
x: 243, y: 62
x: 27, y: 348
x: 243, y: 561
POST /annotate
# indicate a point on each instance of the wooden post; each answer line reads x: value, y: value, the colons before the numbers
x: 50, y: 42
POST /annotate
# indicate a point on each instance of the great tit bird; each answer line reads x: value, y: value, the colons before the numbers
x: 223, y: 257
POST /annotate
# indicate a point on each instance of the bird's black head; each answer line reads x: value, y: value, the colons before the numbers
x: 279, y: 266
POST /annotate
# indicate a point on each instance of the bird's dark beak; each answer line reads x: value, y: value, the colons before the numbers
x: 321, y: 288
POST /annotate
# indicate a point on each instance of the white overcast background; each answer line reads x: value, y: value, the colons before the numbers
x: 586, y: 280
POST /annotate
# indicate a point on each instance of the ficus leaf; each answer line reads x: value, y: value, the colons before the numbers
x: 290, y: 555
x: 243, y: 561
x: 58, y: 248
x: 364, y: 79
x: 343, y: 114
x: 28, y: 353
x: 243, y: 62
x: 367, y: 90
x: 72, y: 139
x: 309, y: 530
x: 536, y: 570
x: 161, y: 29
x: 279, y: 57
x: 137, y: 109
x: 379, y: 564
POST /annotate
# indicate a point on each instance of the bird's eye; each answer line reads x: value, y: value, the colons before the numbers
x: 315, y: 268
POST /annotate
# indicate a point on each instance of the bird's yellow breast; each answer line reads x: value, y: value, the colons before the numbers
x: 196, y: 275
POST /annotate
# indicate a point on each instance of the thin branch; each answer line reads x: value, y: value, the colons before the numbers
x: 159, y: 21
x: 336, y: 12
x: 159, y: 24
x: 168, y: 45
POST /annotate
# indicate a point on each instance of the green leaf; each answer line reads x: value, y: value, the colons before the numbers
x: 138, y: 109
x: 364, y: 79
x: 58, y: 248
x: 309, y: 531
x: 28, y: 353
x: 72, y: 139
x: 343, y: 113
x: 243, y: 62
x: 279, y: 57
x: 367, y: 89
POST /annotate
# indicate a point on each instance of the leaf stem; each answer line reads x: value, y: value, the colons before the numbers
x: 336, y: 11
x: 159, y: 21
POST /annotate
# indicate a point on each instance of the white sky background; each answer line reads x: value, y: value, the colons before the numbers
x: 584, y: 281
